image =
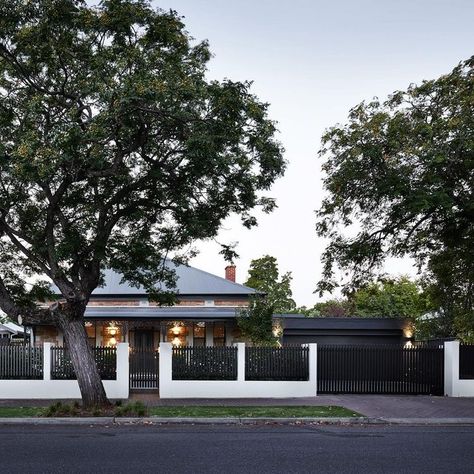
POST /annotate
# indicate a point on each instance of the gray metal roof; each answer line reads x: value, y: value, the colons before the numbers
x: 159, y: 312
x: 190, y: 281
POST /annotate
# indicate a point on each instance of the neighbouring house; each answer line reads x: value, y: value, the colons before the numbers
x: 10, y: 332
x: 204, y: 313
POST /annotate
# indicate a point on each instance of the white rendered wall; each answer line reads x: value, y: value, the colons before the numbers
x: 239, y: 388
x: 453, y: 385
x: 59, y: 389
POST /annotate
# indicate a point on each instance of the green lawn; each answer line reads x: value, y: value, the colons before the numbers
x: 210, y: 411
x: 21, y: 412
x: 244, y: 412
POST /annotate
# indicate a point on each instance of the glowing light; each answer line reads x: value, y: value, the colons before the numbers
x: 112, y: 341
x: 408, y: 344
x: 176, y: 341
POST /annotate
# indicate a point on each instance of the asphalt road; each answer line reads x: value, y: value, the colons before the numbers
x: 246, y: 449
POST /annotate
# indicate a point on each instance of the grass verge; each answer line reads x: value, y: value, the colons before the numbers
x: 251, y: 412
x: 190, y: 411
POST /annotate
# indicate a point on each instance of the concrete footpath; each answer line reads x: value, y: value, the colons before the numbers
x: 375, y: 409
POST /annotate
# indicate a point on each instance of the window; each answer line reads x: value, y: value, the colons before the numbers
x: 199, y: 333
x: 219, y: 334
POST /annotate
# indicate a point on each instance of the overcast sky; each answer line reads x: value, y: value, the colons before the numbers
x: 312, y: 61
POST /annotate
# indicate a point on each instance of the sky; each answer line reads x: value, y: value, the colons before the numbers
x: 313, y: 61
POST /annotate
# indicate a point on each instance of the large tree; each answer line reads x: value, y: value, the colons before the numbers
x: 390, y: 298
x: 115, y: 150
x: 399, y: 177
x: 264, y: 275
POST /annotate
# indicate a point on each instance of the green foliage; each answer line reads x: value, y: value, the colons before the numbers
x: 385, y: 298
x: 132, y: 409
x: 115, y: 150
x: 332, y: 308
x: 256, y: 323
x: 401, y: 173
x: 63, y: 409
x: 390, y: 298
x: 264, y: 276
x: 449, y: 285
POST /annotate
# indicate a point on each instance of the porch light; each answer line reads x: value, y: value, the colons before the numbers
x: 112, y: 341
x: 112, y: 329
x: 176, y: 341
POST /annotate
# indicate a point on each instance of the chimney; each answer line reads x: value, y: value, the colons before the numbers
x: 230, y: 273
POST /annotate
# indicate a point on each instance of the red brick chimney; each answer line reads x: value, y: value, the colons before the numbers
x: 230, y: 273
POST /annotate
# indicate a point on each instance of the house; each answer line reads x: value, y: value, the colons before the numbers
x: 204, y: 314
x: 10, y: 332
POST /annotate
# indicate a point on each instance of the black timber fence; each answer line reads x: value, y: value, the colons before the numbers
x: 466, y: 361
x: 105, y: 358
x: 381, y: 369
x: 277, y: 363
x: 204, y: 363
x: 21, y: 362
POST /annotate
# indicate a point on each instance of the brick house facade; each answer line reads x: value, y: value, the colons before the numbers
x: 204, y: 313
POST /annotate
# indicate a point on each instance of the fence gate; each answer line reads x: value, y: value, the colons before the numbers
x: 380, y: 369
x: 144, y: 367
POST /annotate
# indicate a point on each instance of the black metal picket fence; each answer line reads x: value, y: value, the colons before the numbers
x: 380, y: 369
x: 21, y: 362
x: 204, y: 363
x: 62, y: 369
x: 466, y: 361
x: 277, y: 363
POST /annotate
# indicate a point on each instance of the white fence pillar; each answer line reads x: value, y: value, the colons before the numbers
x: 165, y: 370
x: 119, y: 388
x: 47, y: 360
x: 240, y: 361
x: 451, y: 368
x: 453, y: 385
x: 313, y: 366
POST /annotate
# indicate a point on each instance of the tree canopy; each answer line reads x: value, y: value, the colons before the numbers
x: 115, y: 150
x: 256, y: 323
x: 384, y: 298
x: 390, y: 298
x: 399, y: 176
x: 264, y: 275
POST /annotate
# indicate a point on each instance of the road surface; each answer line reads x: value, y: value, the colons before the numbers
x: 235, y: 448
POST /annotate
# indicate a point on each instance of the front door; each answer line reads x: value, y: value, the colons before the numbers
x: 143, y: 339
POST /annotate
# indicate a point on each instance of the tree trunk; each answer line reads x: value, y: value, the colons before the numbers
x: 82, y: 358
